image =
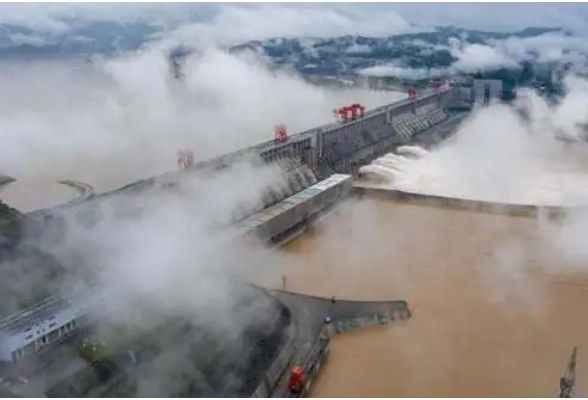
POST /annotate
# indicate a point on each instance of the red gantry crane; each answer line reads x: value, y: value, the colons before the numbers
x: 350, y: 112
x: 280, y: 133
x: 185, y: 158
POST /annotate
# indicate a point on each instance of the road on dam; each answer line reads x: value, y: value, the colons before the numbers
x: 492, y: 317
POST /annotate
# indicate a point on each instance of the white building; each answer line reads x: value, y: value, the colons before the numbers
x: 30, y: 330
x: 487, y: 90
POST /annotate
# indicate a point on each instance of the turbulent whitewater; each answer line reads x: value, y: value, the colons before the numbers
x: 559, y: 176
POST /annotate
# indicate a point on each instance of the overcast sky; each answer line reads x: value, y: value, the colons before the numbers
x: 314, y: 18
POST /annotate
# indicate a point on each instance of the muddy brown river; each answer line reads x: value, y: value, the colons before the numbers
x: 29, y: 195
x: 493, y: 316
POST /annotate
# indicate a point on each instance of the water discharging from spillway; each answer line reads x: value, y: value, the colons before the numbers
x: 394, y: 169
x: 525, y: 172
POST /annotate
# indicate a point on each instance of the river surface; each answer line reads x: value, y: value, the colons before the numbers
x: 496, y: 310
x: 31, y: 195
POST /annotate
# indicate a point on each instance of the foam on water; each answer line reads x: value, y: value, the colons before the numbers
x: 505, y: 153
x: 524, y: 170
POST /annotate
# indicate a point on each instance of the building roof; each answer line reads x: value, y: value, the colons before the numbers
x: 76, y: 301
x: 23, y: 319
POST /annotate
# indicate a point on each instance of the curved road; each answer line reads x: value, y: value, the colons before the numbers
x: 85, y: 191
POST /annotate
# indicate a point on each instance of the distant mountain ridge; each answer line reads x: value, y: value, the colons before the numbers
x: 82, y: 38
x: 337, y: 58
x: 346, y: 54
x: 86, y: 36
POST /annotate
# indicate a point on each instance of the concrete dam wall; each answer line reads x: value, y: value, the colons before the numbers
x: 303, y: 159
x: 347, y: 147
x: 466, y: 204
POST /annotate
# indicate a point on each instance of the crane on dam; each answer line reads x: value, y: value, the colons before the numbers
x: 567, y: 382
x: 412, y: 93
x: 350, y: 112
x: 280, y: 133
x: 185, y: 158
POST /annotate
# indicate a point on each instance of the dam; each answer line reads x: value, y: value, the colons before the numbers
x: 386, y: 253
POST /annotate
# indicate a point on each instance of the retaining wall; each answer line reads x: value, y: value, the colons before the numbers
x: 455, y: 203
x: 297, y: 209
x: 320, y: 349
x: 268, y: 383
x: 313, y: 333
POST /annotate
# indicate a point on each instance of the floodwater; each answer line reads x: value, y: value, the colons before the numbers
x: 29, y: 195
x: 495, y: 313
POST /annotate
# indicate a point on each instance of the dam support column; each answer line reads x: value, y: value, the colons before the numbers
x: 312, y: 153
